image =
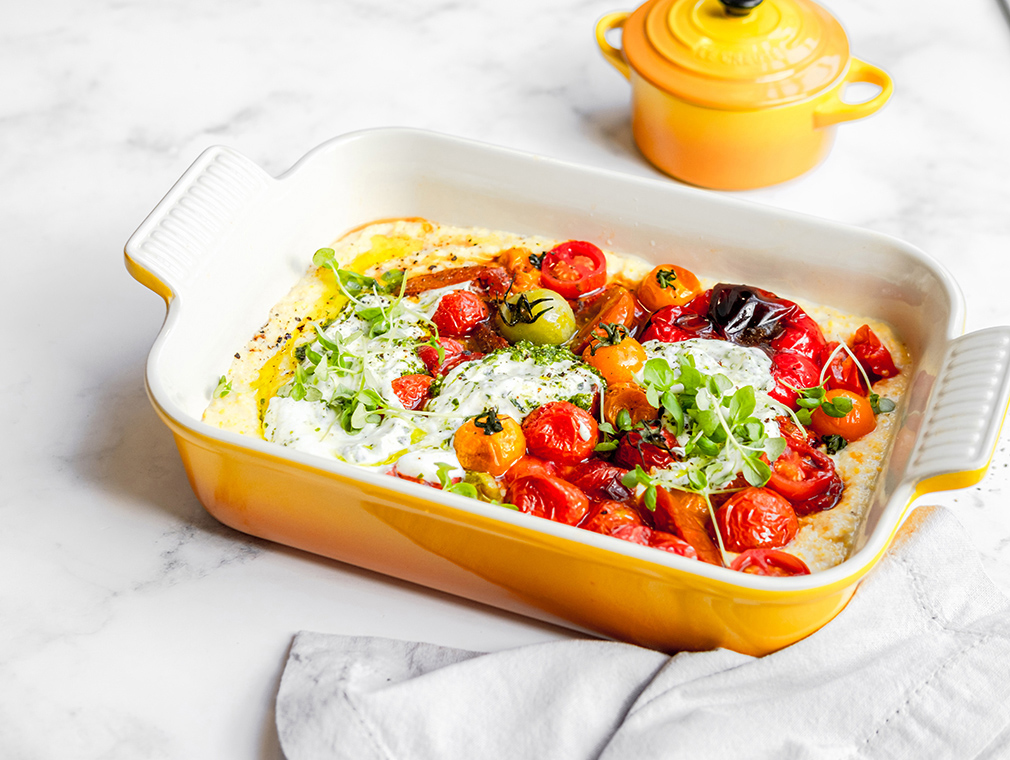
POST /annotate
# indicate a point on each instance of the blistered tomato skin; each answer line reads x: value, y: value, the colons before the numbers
x: 561, y: 432
x: 480, y: 450
x: 611, y: 515
x: 539, y: 316
x: 769, y: 562
x: 651, y: 448
x: 615, y: 306
x: 756, y: 518
x: 858, y: 423
x: 549, y: 497
x: 619, y: 362
x: 791, y: 370
x: 598, y: 479
x: 458, y: 313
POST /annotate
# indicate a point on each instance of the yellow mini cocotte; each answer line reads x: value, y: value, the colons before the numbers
x: 737, y: 94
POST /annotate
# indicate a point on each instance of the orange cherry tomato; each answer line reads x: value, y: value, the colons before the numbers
x: 523, y: 275
x: 561, y: 432
x: 756, y: 518
x: 667, y: 285
x: 860, y: 420
x: 630, y: 397
x: 617, y: 362
x: 412, y: 390
x: 615, y: 306
x: 489, y: 443
x: 550, y: 497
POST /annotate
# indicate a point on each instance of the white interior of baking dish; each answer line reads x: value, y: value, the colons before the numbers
x: 230, y: 241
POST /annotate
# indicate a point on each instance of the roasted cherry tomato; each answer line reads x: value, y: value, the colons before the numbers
x: 561, y: 432
x: 574, y: 269
x: 635, y: 534
x: 792, y: 371
x: 629, y: 397
x: 769, y: 562
x: 617, y: 356
x: 550, y: 497
x: 858, y: 422
x: 667, y: 285
x: 597, y: 479
x: 680, y: 512
x: 489, y: 442
x: 671, y: 543
x: 802, y: 335
x: 523, y: 275
x: 843, y: 373
x: 756, y: 518
x: 672, y: 324
x: 458, y: 313
x: 540, y: 316
x: 803, y: 474
x: 412, y: 390
x: 649, y: 446
x: 453, y: 354
x: 872, y: 354
x: 611, y: 515
x: 615, y: 306
x: 527, y: 465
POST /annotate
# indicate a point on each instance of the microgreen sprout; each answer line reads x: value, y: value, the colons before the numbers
x: 223, y: 387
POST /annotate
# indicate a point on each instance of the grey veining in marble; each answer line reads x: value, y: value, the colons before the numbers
x: 132, y: 624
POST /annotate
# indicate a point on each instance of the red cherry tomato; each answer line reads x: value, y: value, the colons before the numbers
x: 598, y: 479
x: 872, y: 354
x: 453, y: 354
x: 635, y: 534
x: 561, y: 432
x: 802, y: 335
x: 793, y: 370
x: 549, y: 497
x: 574, y: 269
x: 671, y: 543
x: 527, y: 465
x: 803, y: 474
x: 649, y: 447
x: 412, y: 390
x: 611, y: 515
x: 458, y: 313
x: 769, y: 562
x: 756, y: 518
x: 843, y: 374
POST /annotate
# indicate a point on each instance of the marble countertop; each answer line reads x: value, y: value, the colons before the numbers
x: 132, y: 624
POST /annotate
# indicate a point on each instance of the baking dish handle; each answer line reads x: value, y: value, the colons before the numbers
x: 613, y: 54
x: 962, y: 421
x: 169, y: 248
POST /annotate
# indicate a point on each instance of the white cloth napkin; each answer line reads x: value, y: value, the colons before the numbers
x: 917, y: 666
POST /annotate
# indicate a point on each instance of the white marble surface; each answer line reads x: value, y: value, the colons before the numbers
x: 132, y: 625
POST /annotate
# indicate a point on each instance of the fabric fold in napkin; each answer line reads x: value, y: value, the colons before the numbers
x: 918, y: 666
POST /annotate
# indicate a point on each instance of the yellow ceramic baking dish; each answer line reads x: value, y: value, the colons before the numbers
x: 737, y: 94
x: 229, y: 240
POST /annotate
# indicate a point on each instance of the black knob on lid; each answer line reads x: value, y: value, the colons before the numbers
x: 739, y: 7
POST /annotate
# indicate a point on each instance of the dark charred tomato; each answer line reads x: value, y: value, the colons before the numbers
x: 598, y: 479
x: 412, y: 390
x: 561, y: 432
x: 672, y: 324
x: 747, y: 315
x: 802, y: 335
x: 610, y: 515
x: 756, y: 518
x: 574, y: 269
x: 648, y: 446
x: 673, y: 544
x: 769, y: 562
x: 550, y: 497
x: 453, y: 354
x: 458, y: 313
x: 527, y: 465
x: 614, y: 306
x: 792, y: 371
x: 872, y: 354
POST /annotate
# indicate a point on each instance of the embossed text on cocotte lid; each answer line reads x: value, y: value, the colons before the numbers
x: 736, y: 54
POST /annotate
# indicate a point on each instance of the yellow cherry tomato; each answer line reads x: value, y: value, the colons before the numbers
x: 667, y: 285
x: 858, y: 422
x: 489, y: 442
